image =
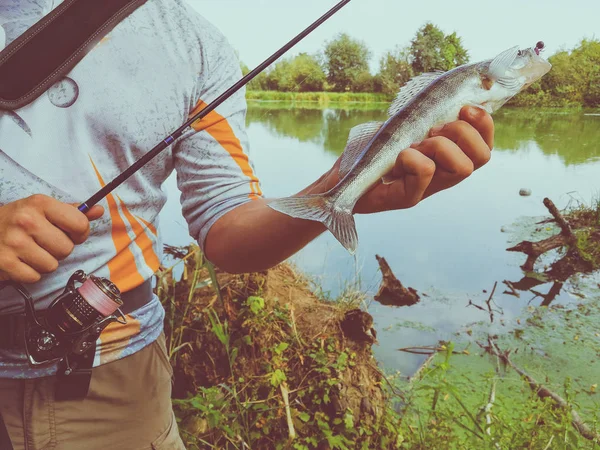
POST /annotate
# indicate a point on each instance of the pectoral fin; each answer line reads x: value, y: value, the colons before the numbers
x: 358, y: 139
x: 501, y: 63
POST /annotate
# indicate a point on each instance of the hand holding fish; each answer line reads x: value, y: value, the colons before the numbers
x: 448, y: 156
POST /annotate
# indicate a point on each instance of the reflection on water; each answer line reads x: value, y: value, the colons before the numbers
x: 571, y: 136
x: 450, y: 247
x: 327, y: 127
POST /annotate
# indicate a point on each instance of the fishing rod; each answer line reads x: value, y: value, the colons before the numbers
x: 87, y: 205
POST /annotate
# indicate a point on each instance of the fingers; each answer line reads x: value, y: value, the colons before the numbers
x: 35, y: 257
x: 53, y: 240
x: 468, y: 140
x: 18, y: 271
x: 38, y: 232
x: 451, y: 163
x: 414, y: 172
x: 68, y: 218
x: 95, y: 213
x: 481, y: 121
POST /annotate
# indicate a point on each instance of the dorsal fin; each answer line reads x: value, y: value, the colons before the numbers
x: 358, y: 138
x: 411, y: 89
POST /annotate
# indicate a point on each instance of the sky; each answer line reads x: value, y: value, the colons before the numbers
x: 258, y: 28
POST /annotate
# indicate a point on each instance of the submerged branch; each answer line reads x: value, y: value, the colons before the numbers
x: 543, y: 392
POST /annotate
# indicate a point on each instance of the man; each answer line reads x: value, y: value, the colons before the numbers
x: 142, y: 81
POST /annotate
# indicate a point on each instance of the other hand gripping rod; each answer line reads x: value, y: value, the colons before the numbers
x: 86, y: 206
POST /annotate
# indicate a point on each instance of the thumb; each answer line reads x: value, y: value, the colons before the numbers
x: 96, y: 212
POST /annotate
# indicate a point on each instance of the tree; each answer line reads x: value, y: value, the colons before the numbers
x: 431, y: 50
x: 346, y: 59
x: 302, y: 73
x: 587, y: 59
x: 307, y: 74
x: 575, y: 75
x: 258, y: 83
x: 394, y: 70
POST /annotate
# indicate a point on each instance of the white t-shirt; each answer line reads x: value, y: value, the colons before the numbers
x: 139, y: 84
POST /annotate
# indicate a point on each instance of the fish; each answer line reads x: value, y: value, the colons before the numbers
x: 428, y: 100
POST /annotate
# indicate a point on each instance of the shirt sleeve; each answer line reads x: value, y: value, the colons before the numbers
x: 214, y: 172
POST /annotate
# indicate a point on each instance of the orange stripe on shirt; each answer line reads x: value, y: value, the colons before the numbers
x: 142, y: 239
x: 150, y: 226
x: 115, y: 337
x: 218, y: 127
x: 123, y: 269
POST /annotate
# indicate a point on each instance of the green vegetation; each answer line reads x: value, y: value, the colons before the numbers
x: 573, y: 81
x: 343, y: 66
x: 322, y: 98
x: 432, y: 50
x: 260, y: 362
x: 347, y: 65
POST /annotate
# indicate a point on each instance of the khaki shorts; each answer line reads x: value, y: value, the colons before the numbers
x: 128, y: 407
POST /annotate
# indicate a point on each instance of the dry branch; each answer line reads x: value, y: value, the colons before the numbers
x: 534, y: 250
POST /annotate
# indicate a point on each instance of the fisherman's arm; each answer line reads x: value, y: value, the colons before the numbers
x: 254, y: 237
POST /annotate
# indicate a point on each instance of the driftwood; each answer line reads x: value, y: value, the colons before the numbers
x: 392, y: 292
x: 534, y: 250
x: 561, y: 270
x: 543, y: 392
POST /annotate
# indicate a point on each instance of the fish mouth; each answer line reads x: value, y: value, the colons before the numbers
x: 531, y: 65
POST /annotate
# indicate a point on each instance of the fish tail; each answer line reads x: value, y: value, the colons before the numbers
x: 322, y: 208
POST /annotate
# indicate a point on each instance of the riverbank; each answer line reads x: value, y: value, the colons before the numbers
x: 523, y: 100
x: 261, y: 362
x: 321, y: 98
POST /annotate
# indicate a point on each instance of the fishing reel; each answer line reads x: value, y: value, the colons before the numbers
x: 74, y: 320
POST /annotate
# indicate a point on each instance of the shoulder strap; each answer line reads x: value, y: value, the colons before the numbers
x: 47, y: 51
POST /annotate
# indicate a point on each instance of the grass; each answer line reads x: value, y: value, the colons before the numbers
x: 321, y: 98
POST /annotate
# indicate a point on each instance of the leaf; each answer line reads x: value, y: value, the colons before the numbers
x: 304, y: 417
x: 281, y: 348
x: 234, y: 354
x: 278, y: 377
x: 349, y: 420
x: 256, y: 304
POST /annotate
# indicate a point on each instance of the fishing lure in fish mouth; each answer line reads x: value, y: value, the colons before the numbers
x: 426, y: 101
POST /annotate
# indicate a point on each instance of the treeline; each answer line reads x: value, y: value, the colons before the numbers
x: 343, y: 66
x: 573, y: 81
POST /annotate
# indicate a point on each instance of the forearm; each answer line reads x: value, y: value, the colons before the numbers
x: 254, y: 237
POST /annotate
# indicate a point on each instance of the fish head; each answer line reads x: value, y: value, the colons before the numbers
x: 511, y: 72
